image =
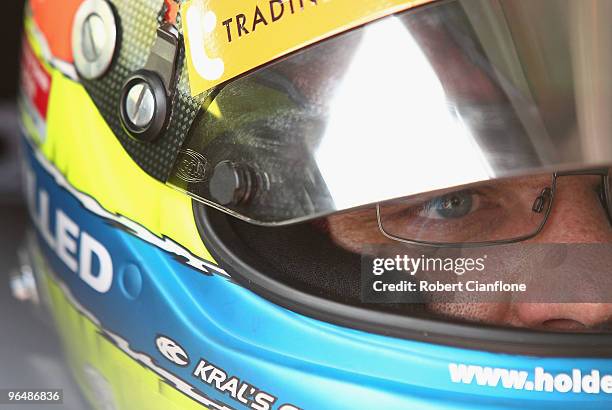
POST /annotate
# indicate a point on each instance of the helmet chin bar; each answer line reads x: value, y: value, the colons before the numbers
x: 147, y: 94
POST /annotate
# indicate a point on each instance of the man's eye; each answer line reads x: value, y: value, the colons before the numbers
x: 450, y: 206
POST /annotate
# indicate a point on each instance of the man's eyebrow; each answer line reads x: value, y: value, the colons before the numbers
x: 529, y: 181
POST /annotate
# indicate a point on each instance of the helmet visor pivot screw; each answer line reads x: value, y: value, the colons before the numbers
x: 140, y: 105
x: 144, y: 106
x: 232, y: 183
x: 147, y: 94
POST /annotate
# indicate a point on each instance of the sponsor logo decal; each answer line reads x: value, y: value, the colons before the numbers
x: 78, y: 249
x: 191, y: 166
x: 225, y: 39
x: 172, y: 351
x: 225, y: 383
x: 35, y: 88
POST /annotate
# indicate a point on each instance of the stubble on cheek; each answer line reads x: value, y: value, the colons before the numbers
x: 352, y: 231
x: 355, y: 230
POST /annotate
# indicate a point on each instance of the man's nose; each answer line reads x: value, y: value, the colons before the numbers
x: 577, y: 215
x: 564, y: 316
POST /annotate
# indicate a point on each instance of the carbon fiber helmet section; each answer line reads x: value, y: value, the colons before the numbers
x: 137, y: 22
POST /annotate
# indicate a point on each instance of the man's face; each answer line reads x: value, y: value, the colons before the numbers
x: 577, y: 216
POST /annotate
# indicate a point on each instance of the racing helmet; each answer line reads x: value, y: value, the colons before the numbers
x: 214, y: 187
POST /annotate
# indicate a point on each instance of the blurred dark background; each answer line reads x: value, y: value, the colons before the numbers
x: 10, y: 29
x: 30, y: 353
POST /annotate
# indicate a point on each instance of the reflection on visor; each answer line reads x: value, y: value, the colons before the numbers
x: 444, y: 95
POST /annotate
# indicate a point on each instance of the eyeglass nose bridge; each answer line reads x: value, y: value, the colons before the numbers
x: 539, y: 205
x: 603, y: 194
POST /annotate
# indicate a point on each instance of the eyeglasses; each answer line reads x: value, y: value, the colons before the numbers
x: 485, y: 214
